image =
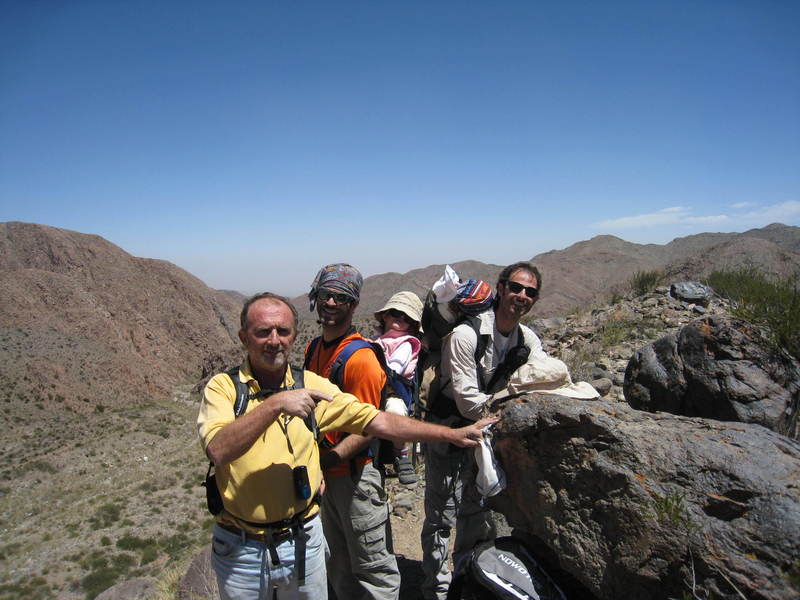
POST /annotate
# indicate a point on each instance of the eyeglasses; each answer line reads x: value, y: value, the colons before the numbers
x: 516, y: 288
x: 398, y: 314
x: 324, y: 296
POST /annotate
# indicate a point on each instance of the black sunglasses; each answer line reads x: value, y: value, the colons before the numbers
x: 399, y: 314
x: 516, y: 288
x: 325, y: 295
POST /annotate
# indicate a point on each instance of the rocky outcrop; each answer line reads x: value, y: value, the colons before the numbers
x: 141, y: 588
x: 636, y: 505
x: 199, y: 583
x: 598, y: 344
x: 717, y: 367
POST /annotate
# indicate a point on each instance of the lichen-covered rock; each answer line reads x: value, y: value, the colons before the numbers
x: 717, y: 367
x: 636, y: 505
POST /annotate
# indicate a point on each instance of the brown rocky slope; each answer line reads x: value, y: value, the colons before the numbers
x: 587, y: 271
x: 91, y: 323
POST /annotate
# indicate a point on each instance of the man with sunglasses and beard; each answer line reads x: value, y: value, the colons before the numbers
x: 478, y: 358
x: 355, y: 509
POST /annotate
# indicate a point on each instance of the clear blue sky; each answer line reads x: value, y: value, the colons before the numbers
x: 251, y: 142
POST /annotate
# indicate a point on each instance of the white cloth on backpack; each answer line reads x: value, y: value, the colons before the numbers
x: 491, y: 479
x: 445, y: 288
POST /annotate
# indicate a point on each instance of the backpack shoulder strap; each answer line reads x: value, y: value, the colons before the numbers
x: 480, y: 349
x: 337, y: 367
x: 514, y: 359
x: 242, y: 392
x: 297, y: 375
x: 311, y: 419
x: 312, y: 347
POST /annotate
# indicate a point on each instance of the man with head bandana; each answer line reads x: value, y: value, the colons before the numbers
x: 355, y: 511
x: 478, y: 359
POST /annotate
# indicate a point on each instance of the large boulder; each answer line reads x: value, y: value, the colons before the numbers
x: 653, y: 506
x: 717, y: 367
x: 691, y: 291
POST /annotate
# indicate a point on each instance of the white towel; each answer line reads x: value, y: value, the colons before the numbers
x: 491, y: 480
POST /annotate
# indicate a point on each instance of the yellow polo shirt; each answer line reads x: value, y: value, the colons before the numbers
x: 258, y: 486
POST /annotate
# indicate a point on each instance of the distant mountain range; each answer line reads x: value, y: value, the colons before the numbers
x: 83, y: 320
x: 588, y: 271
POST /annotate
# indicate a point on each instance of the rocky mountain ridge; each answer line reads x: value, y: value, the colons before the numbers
x: 589, y: 271
x: 114, y: 328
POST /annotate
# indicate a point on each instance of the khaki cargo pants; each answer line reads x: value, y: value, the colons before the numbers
x: 355, y: 517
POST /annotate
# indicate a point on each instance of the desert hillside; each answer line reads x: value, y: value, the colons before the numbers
x: 85, y: 322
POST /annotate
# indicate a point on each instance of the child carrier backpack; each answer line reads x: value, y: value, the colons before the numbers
x: 381, y: 451
x: 502, y: 569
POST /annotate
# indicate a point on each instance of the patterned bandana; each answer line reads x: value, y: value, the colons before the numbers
x: 474, y: 296
x: 338, y: 277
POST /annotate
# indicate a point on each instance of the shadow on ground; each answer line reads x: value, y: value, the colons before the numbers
x: 410, y: 578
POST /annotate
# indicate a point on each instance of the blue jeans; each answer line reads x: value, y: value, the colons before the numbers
x: 245, y: 571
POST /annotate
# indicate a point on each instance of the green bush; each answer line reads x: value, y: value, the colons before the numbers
x: 643, y: 282
x: 33, y: 589
x: 132, y: 542
x: 103, y: 575
x: 98, y: 581
x: 123, y: 562
x: 671, y: 509
x: 40, y: 465
x: 580, y: 360
x: 616, y: 330
x: 148, y: 555
x: 174, y: 545
x: 94, y: 560
x: 773, y: 304
x: 106, y: 515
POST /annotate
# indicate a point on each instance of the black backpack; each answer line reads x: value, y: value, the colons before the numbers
x: 502, y: 569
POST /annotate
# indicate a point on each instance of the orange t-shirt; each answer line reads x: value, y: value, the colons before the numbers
x: 363, y: 377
